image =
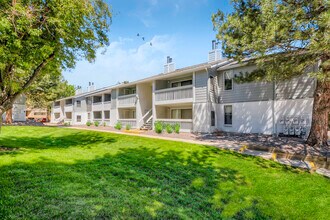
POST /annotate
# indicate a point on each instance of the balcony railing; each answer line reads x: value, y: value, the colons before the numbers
x: 131, y: 122
x: 127, y: 100
x: 171, y: 94
x: 185, y: 124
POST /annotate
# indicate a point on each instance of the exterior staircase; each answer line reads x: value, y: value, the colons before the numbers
x: 147, y: 125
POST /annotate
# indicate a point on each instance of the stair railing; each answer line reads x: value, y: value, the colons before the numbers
x: 145, y: 115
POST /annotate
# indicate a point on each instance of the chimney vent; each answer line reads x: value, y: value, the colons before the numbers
x: 90, y: 87
x: 169, y: 66
x: 215, y: 53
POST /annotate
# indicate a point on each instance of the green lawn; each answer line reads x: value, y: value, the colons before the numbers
x: 63, y: 173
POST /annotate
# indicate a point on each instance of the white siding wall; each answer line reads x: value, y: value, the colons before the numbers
x: 114, y: 110
x: 257, y: 117
x: 201, y: 80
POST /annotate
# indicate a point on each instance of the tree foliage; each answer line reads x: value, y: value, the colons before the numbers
x: 40, y: 36
x: 284, y: 38
x: 51, y: 87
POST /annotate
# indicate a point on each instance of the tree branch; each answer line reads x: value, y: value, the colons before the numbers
x: 37, y: 71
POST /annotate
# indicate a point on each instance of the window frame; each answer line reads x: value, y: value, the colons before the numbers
x: 106, y: 118
x: 78, y: 103
x: 212, y: 118
x: 107, y: 95
x: 97, y: 112
x: 224, y: 80
x: 180, y: 113
x: 224, y: 115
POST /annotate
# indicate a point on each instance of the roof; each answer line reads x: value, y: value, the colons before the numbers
x: 175, y: 73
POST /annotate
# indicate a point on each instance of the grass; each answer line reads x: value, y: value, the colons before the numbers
x: 62, y: 173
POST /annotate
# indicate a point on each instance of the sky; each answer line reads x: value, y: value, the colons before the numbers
x: 181, y: 29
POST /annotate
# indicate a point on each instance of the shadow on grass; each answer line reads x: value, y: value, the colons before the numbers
x: 134, y: 183
x: 48, y: 141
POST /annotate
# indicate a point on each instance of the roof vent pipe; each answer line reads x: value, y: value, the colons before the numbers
x: 214, y: 45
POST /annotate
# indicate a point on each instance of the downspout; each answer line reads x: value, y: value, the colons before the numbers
x: 273, y: 108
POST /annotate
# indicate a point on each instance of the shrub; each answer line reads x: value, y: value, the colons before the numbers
x: 96, y: 123
x: 66, y: 124
x: 88, y: 123
x: 104, y: 124
x: 169, y: 128
x: 176, y: 127
x: 128, y: 127
x: 159, y: 127
x: 118, y: 125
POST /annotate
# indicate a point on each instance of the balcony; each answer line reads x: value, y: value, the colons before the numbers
x: 130, y: 121
x: 68, y: 108
x: 181, y: 94
x: 127, y: 100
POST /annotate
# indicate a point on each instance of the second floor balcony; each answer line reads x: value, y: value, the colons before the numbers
x: 181, y: 94
x: 127, y: 100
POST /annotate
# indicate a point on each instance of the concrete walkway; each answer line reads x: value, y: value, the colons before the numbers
x: 233, y: 147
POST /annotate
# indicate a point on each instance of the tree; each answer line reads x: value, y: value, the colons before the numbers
x: 38, y: 36
x: 283, y: 38
x: 42, y: 93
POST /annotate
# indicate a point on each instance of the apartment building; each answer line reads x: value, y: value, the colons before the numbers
x: 201, y: 98
x: 18, y: 110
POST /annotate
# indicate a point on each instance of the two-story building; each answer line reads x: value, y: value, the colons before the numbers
x: 201, y: 98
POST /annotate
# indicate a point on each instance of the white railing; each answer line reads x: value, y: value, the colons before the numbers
x: 97, y: 103
x: 145, y: 115
x: 127, y: 100
x: 68, y: 108
x: 177, y: 93
x: 185, y: 124
x: 131, y: 122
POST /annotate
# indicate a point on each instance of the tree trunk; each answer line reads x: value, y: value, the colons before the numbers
x: 1, y: 113
x: 318, y: 135
x: 9, y: 116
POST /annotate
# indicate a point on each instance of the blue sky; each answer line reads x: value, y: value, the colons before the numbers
x: 181, y: 29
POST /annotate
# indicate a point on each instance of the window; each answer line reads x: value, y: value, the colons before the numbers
x: 57, y: 115
x: 228, y: 81
x: 78, y: 118
x: 175, y: 84
x: 181, y: 113
x: 107, y: 97
x: 106, y: 114
x: 39, y: 113
x: 228, y: 109
x: 129, y: 91
x: 212, y: 118
x: 97, y: 115
x: 57, y: 104
x: 181, y: 83
x: 68, y: 102
x: 186, y: 83
x: 97, y: 99
x: 78, y: 103
x: 129, y: 114
x: 68, y: 115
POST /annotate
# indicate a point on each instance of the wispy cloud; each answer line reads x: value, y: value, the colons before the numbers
x: 121, y: 63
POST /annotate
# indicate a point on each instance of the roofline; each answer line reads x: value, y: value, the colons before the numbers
x: 234, y: 64
x: 175, y: 73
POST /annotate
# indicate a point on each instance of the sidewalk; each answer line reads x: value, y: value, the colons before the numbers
x: 237, y: 146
